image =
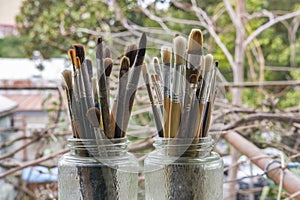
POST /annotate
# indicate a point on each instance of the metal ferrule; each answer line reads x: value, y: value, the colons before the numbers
x: 205, y: 85
x: 176, y: 83
x: 166, y: 73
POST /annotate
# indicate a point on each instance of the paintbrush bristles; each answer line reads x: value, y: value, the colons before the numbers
x: 124, y: 66
x: 208, y: 60
x: 166, y: 54
x: 108, y: 65
x: 179, y: 49
x: 79, y: 49
x: 67, y: 75
x: 107, y: 53
x: 131, y: 53
x: 77, y: 63
x: 195, y: 42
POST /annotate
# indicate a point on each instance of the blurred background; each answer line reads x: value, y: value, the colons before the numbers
x: 257, y: 44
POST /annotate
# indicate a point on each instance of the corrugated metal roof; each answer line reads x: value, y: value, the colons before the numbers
x: 6, y: 105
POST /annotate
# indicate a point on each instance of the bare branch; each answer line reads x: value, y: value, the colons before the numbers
x: 32, y: 163
x: 289, y: 119
x: 269, y: 24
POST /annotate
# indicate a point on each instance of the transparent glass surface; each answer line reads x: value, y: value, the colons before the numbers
x: 172, y: 174
x: 93, y: 171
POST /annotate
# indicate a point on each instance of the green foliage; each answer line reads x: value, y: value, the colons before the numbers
x: 52, y: 26
x: 55, y: 25
x: 13, y: 47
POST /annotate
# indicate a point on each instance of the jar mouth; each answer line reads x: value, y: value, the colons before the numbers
x: 184, y: 147
x: 97, y: 147
x: 205, y: 141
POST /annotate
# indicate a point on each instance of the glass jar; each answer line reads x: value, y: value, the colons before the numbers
x: 181, y: 169
x: 98, y: 169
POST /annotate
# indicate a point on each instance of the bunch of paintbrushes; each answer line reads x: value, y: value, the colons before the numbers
x: 88, y: 92
x: 185, y: 89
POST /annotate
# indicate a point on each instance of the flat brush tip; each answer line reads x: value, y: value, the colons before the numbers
x: 155, y: 60
x: 99, y: 40
x: 80, y: 53
x: 77, y: 62
x: 72, y: 55
x: 166, y: 54
x: 67, y: 75
x: 179, y: 49
x: 124, y: 64
x: 208, y: 60
x: 195, y: 42
x: 108, y: 64
x: 107, y: 53
x: 93, y: 116
x: 217, y: 64
x: 131, y: 52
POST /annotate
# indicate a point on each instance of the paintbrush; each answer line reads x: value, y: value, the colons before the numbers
x: 81, y: 92
x: 72, y: 55
x: 123, y: 79
x: 107, y: 53
x: 192, y: 117
x: 209, y: 103
x: 157, y: 89
x: 68, y: 80
x: 89, y: 66
x: 104, y: 104
x: 194, y: 53
x: 85, y: 92
x: 97, y: 99
x: 75, y: 101
x: 156, y: 112
x: 108, y: 65
x: 81, y: 102
x: 166, y: 54
x: 208, y: 59
x: 108, y: 70
x: 102, y: 88
x: 175, y: 110
x: 130, y: 53
x: 134, y: 80
x: 94, y: 117
x: 157, y: 67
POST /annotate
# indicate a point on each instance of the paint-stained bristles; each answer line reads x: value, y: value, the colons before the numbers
x: 166, y: 53
x: 131, y: 53
x: 79, y: 49
x: 195, y: 42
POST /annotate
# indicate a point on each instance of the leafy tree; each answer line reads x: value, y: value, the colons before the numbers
x: 12, y: 47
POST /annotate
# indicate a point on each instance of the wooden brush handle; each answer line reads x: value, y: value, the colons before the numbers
x: 167, y: 102
x: 200, y: 120
x: 175, y: 116
x: 113, y: 116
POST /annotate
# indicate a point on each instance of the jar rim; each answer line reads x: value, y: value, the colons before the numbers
x: 202, y: 140
x: 93, y: 142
